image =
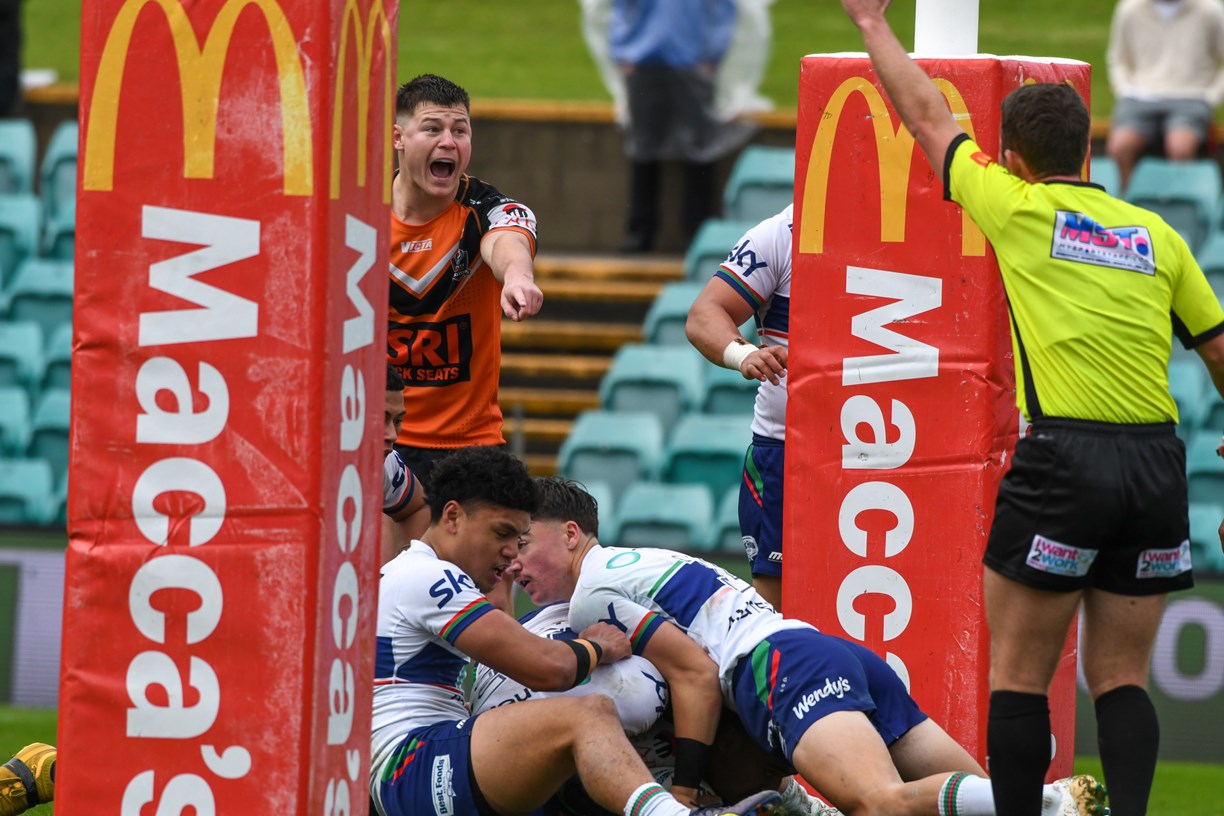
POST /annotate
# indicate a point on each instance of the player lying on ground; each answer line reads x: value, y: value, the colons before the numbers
x: 428, y: 755
x: 832, y: 709
x: 28, y: 779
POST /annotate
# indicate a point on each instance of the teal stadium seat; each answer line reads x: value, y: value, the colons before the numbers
x: 616, y: 447
x: 672, y: 516
x: 727, y: 392
x: 605, y: 502
x: 727, y: 537
x: 761, y: 184
x: 1185, y: 194
x: 49, y: 430
x: 1104, y: 171
x: 18, y: 146
x: 58, y: 358
x: 57, y: 176
x: 707, y: 450
x: 14, y: 420
x: 25, y: 491
x: 1204, y: 468
x: 1211, y: 416
x: 715, y: 239
x: 1188, y: 385
x: 1205, y: 551
x: 664, y: 324
x: 21, y: 355
x: 42, y: 292
x: 20, y: 217
x: 1211, y: 260
x: 664, y: 380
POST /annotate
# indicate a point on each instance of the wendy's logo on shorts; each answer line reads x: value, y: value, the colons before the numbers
x: 831, y: 688
x: 1057, y: 558
x: 1164, y: 563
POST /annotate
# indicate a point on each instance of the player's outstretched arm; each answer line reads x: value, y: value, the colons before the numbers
x: 501, y: 643
x: 915, y: 97
x: 508, y: 253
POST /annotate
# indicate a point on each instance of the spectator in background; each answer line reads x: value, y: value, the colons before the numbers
x: 1166, y: 66
x: 669, y: 52
x: 461, y: 257
x: 10, y: 57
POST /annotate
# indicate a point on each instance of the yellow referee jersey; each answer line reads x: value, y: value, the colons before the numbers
x: 1096, y: 288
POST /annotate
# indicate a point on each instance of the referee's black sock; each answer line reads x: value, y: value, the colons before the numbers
x: 1018, y: 750
x: 1128, y: 737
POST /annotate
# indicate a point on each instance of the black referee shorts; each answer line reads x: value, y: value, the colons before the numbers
x: 1093, y: 504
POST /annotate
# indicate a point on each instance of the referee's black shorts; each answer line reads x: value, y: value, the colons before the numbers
x: 1093, y: 504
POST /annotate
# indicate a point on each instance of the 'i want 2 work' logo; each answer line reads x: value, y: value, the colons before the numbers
x: 434, y: 353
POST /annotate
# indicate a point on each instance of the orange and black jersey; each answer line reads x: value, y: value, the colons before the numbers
x: 444, y: 321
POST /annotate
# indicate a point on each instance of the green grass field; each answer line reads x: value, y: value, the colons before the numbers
x: 1181, y: 788
x: 535, y: 51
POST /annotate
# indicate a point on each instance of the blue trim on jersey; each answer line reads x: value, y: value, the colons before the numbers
x: 433, y: 664
x: 777, y: 316
x: 687, y: 591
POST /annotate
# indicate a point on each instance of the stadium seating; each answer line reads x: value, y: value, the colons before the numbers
x: 20, y: 217
x: 1211, y: 416
x: 57, y: 176
x: 21, y: 355
x: 58, y: 358
x: 25, y: 491
x: 17, y: 148
x: 672, y: 516
x: 664, y: 324
x: 1185, y: 194
x: 1204, y: 469
x: 1104, y: 171
x: 727, y: 537
x: 42, y: 292
x: 715, y: 238
x: 1211, y: 260
x: 1205, y: 551
x: 616, y: 447
x: 14, y: 420
x: 727, y: 392
x: 49, y: 430
x: 605, y: 501
x: 707, y: 450
x: 761, y: 184
x: 1188, y: 384
x: 664, y: 380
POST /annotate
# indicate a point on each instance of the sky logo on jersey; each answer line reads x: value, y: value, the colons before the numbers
x: 832, y: 688
x: 433, y: 354
x: 1078, y: 238
x: 1164, y: 563
x: 1056, y: 558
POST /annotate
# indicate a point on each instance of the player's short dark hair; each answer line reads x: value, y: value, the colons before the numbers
x: 481, y: 476
x: 1048, y: 126
x: 567, y: 500
x: 433, y: 89
x: 395, y: 380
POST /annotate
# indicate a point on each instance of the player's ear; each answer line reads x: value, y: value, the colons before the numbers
x: 451, y: 512
x: 573, y: 534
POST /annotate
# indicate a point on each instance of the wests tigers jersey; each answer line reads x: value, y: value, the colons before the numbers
x: 444, y: 321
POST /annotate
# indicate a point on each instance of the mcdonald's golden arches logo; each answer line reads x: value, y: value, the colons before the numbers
x: 199, y: 74
x: 363, y: 39
x: 895, y: 152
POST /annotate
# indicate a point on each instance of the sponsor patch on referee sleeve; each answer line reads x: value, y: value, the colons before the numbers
x: 1057, y: 558
x: 1164, y: 563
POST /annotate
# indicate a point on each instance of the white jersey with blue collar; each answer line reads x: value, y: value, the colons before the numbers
x: 638, y: 590
x: 424, y: 604
x: 758, y: 268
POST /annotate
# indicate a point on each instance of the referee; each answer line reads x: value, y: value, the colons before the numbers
x: 1093, y: 509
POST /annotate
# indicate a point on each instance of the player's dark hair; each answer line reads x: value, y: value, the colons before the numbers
x: 1048, y: 126
x: 433, y: 89
x: 395, y: 380
x: 566, y: 500
x: 481, y: 476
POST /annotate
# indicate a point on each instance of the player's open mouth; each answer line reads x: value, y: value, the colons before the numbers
x: 500, y: 571
x: 523, y: 582
x: 442, y: 169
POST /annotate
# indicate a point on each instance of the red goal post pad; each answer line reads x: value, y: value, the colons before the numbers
x: 902, y: 392
x: 229, y: 369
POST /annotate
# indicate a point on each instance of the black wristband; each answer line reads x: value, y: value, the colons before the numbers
x: 582, y: 657
x: 692, y: 761
x: 598, y: 651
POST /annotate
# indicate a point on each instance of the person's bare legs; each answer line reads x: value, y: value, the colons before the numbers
x: 770, y: 588
x: 926, y: 750
x: 1182, y: 144
x: 1116, y: 645
x: 521, y: 754
x: 844, y: 758
x: 1125, y: 146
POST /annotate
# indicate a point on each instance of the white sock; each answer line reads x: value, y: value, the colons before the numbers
x: 796, y: 800
x: 652, y: 799
x: 1051, y: 801
x: 966, y: 795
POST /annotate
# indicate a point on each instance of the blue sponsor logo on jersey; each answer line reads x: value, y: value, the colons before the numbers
x: 1078, y: 238
x: 450, y: 586
x: 745, y: 258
